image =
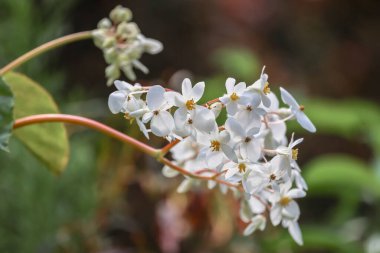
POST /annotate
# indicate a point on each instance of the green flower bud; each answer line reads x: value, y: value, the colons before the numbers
x: 112, y: 73
x: 108, y: 42
x: 105, y: 23
x: 127, y: 30
x: 120, y: 14
x: 110, y: 55
x: 128, y: 71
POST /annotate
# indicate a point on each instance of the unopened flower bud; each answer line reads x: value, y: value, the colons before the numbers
x: 112, y: 73
x: 127, y: 30
x: 120, y: 14
x: 105, y: 23
x: 108, y: 42
x: 110, y: 55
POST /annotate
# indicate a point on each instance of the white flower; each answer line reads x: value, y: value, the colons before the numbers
x: 297, y: 111
x: 283, y: 204
x: 161, y: 121
x: 189, y: 116
x: 216, y: 148
x: 248, y: 146
x: 257, y: 222
x: 118, y: 98
x: 261, y: 86
x: 290, y: 152
x: 240, y: 168
x: 235, y: 95
x: 249, y: 113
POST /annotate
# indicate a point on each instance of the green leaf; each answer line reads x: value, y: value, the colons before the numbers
x: 238, y: 62
x: 6, y: 117
x: 336, y: 174
x: 47, y: 141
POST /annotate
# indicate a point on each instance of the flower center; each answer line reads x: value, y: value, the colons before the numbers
x: 247, y: 139
x: 156, y: 112
x: 190, y: 104
x: 249, y: 108
x: 234, y: 96
x: 302, y: 108
x: 266, y: 89
x: 295, y: 154
x: 284, y: 201
x: 242, y: 167
x: 190, y: 121
x: 215, y: 145
x: 272, y: 177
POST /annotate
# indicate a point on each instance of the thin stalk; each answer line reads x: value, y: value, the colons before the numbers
x: 78, y: 120
x: 45, y: 47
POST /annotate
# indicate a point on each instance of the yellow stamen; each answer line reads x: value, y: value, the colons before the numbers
x: 215, y: 145
x: 190, y: 105
x: 302, y: 108
x: 234, y: 97
x: 295, y: 154
x: 242, y: 167
x: 266, y: 89
x: 284, y: 201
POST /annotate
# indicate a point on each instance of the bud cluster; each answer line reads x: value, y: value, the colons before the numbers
x: 123, y: 44
x: 250, y: 152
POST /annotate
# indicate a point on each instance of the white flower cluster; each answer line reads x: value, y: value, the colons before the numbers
x: 250, y: 152
x: 123, y: 44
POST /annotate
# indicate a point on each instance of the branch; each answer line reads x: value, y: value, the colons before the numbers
x: 45, y: 47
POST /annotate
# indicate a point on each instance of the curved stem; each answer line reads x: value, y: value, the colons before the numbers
x: 168, y: 147
x: 45, y: 47
x: 82, y: 121
x: 78, y: 120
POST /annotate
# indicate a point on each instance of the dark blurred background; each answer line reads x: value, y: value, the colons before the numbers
x: 112, y: 198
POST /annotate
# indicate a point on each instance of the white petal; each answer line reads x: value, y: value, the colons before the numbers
x: 275, y: 214
x: 296, y: 193
x: 256, y: 205
x: 180, y: 117
x: 229, y: 152
x: 232, y: 108
x: 235, y: 128
x: 245, y: 99
x: 265, y: 100
x: 204, y: 119
x: 305, y: 122
x: 274, y: 101
x: 155, y: 97
x: 214, y: 158
x: 147, y: 117
x: 278, y: 130
x: 198, y: 90
x: 250, y: 229
x: 121, y: 85
x: 169, y: 172
x: 253, y: 150
x: 185, y: 186
x: 291, y: 210
x: 230, y: 83
x: 295, y: 232
x: 231, y: 172
x: 288, y: 99
x: 240, y: 87
x: 162, y: 124
x: 116, y: 101
x: 142, y: 128
x: 174, y: 98
x: 187, y: 90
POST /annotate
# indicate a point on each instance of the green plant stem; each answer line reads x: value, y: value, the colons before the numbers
x: 82, y: 121
x: 45, y: 47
